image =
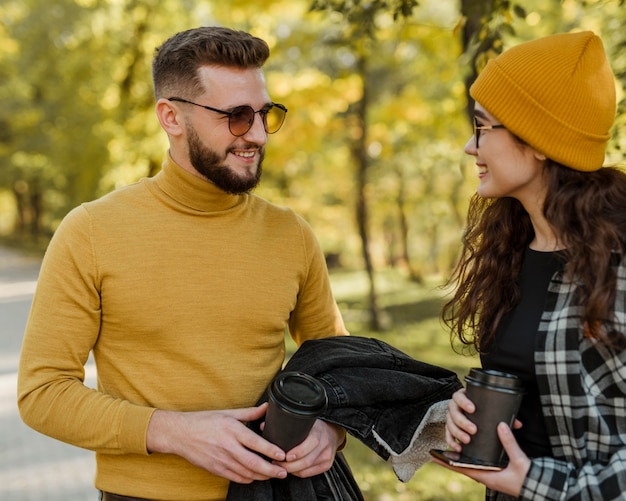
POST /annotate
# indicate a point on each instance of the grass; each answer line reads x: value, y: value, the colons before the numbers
x: 411, y: 316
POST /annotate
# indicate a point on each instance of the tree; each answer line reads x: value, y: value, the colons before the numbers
x: 371, y: 152
x: 79, y: 98
x: 49, y: 119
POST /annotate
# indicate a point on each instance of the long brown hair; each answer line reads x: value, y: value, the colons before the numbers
x: 588, y: 212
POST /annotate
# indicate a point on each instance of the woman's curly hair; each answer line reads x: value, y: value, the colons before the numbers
x: 587, y: 211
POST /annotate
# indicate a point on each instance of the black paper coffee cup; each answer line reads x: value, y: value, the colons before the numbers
x: 296, y: 400
x: 497, y: 397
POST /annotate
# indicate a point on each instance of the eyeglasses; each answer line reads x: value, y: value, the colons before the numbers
x: 478, y: 128
x: 241, y: 118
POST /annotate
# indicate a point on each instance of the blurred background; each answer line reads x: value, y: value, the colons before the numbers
x: 371, y: 153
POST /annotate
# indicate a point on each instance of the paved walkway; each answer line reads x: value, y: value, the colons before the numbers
x: 33, y: 467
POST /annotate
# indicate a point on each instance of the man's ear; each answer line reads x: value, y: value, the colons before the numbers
x: 170, y: 117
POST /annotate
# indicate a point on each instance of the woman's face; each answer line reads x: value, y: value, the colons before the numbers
x: 506, y: 167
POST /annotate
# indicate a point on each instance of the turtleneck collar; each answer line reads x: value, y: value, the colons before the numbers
x: 193, y: 191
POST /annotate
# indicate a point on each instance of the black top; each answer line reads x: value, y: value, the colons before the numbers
x: 514, y: 347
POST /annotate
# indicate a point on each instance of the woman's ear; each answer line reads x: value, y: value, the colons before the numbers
x: 540, y: 156
x: 170, y: 118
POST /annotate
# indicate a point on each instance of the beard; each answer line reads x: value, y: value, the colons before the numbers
x: 211, y: 166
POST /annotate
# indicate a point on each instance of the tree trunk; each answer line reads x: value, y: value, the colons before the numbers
x: 36, y: 208
x: 359, y: 153
x: 405, y: 255
x: 475, y: 12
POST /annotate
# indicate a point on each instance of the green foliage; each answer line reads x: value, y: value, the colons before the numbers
x: 52, y: 121
x: 77, y: 118
x: 362, y: 16
x: 77, y: 89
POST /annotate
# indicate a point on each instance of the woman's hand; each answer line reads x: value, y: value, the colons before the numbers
x: 459, y: 429
x: 510, y: 479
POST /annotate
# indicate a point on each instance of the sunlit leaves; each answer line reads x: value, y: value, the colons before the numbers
x: 76, y: 91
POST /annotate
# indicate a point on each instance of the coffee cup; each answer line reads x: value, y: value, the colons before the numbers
x: 497, y: 397
x: 296, y: 400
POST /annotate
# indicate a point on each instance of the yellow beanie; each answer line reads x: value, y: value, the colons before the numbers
x: 556, y: 93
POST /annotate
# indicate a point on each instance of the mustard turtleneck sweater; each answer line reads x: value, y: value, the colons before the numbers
x: 184, y: 294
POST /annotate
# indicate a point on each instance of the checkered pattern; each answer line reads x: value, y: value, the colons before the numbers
x: 583, y: 393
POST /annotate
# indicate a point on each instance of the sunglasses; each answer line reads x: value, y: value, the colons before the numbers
x: 241, y: 118
x: 478, y: 128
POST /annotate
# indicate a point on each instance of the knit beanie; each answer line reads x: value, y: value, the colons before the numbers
x: 557, y: 94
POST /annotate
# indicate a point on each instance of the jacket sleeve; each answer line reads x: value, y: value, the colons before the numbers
x: 552, y: 479
x: 584, y: 396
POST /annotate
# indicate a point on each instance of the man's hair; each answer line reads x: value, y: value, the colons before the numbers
x: 176, y: 62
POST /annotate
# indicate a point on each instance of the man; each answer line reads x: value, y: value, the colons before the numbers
x: 182, y: 285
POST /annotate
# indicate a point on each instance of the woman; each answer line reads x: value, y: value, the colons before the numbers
x: 540, y: 289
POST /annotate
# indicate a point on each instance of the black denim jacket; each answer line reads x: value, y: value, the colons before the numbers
x: 394, y: 404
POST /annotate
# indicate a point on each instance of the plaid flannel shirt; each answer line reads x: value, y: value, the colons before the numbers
x: 583, y: 395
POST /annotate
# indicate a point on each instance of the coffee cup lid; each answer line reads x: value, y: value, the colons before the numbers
x: 493, y: 377
x: 299, y: 392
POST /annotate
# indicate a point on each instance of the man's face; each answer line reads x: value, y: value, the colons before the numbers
x: 232, y: 163
x: 213, y: 166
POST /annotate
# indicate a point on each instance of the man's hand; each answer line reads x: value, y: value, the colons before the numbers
x: 219, y: 442
x: 316, y: 453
